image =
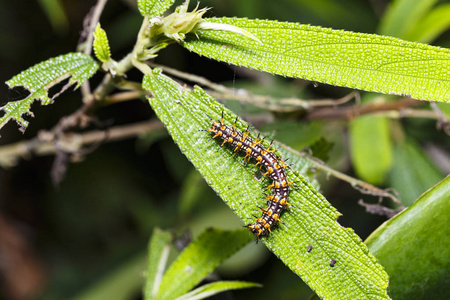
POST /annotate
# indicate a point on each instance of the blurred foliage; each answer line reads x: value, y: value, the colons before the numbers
x: 371, y: 147
x: 93, y: 229
x: 56, y: 15
x: 410, y: 180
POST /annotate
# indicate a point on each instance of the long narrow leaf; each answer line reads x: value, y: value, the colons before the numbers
x: 402, y: 15
x: 432, y: 25
x: 371, y: 147
x: 412, y: 172
x: 338, y: 265
x: 158, y: 249
x: 362, y: 61
x: 199, y: 259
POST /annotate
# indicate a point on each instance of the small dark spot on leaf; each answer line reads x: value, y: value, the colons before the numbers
x: 332, y: 262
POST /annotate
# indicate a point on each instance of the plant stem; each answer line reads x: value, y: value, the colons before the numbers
x: 43, y: 144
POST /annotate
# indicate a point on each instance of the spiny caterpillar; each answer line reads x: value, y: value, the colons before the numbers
x: 272, y: 166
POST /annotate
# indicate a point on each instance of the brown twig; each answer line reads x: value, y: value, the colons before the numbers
x: 81, y: 117
x: 91, y: 21
x: 49, y: 141
x: 71, y: 142
x: 315, y: 108
x: 360, y: 185
x: 351, y: 112
x: 274, y: 104
x: 123, y: 96
x: 378, y: 209
x: 319, y: 108
x: 282, y: 105
x: 443, y: 121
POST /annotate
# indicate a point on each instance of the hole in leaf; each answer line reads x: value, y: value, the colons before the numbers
x: 59, y: 88
x: 15, y: 94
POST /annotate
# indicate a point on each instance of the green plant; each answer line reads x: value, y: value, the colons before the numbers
x: 361, y: 61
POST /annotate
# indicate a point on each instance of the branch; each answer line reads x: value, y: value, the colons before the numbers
x: 57, y: 140
x: 316, y: 108
x: 90, y: 21
x: 351, y: 112
x: 282, y: 105
x: 378, y: 209
x: 363, y: 187
x: 123, y: 96
x: 44, y: 144
x: 443, y: 120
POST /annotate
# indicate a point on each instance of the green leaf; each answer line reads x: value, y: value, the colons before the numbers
x: 415, y: 20
x: 362, y: 61
x: 153, y: 8
x: 41, y: 77
x: 158, y: 252
x: 412, y: 172
x: 214, y: 288
x: 431, y: 26
x: 101, y: 44
x: 199, y: 259
x: 402, y: 15
x: 371, y: 147
x: 414, y: 247
x: 310, y: 222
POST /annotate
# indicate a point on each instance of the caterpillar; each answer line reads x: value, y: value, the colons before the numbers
x: 272, y: 165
